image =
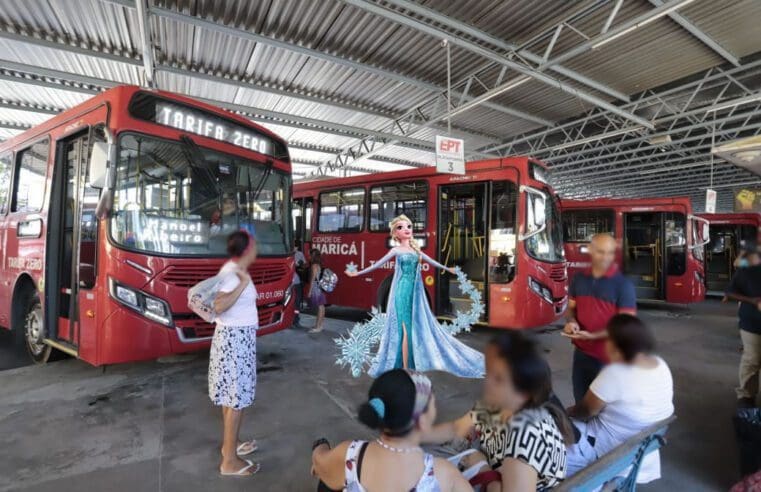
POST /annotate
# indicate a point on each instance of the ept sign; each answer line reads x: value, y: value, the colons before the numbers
x: 450, y: 155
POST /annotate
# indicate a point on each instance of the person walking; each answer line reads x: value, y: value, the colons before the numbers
x: 594, y: 297
x: 232, y: 358
x: 301, y: 270
x: 745, y: 287
x: 316, y: 295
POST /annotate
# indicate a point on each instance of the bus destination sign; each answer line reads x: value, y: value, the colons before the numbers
x: 165, y: 112
x: 201, y: 123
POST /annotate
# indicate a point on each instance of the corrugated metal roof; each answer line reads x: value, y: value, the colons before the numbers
x: 652, y: 56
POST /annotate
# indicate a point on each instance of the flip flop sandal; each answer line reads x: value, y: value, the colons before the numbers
x: 250, y: 469
x: 251, y: 445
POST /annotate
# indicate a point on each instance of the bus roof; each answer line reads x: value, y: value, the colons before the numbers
x: 123, y: 94
x: 422, y: 172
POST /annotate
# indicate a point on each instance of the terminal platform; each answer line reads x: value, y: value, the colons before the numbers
x: 150, y: 426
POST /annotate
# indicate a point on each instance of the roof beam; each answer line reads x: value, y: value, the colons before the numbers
x: 144, y: 25
x: 498, y: 58
x: 93, y: 86
x: 338, y: 60
x: 703, y: 37
x: 486, y: 37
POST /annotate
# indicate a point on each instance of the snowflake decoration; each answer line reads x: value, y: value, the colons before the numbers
x: 351, y: 267
x: 357, y: 346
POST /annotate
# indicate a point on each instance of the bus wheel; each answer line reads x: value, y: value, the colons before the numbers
x: 34, y: 330
x: 383, y: 291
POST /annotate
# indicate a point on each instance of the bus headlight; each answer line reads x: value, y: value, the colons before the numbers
x: 540, y: 290
x: 151, y: 307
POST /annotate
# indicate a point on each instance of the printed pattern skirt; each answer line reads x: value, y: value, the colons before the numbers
x: 232, y: 366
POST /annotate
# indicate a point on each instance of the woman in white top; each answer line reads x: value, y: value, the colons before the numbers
x: 401, y: 406
x: 232, y: 359
x: 631, y: 393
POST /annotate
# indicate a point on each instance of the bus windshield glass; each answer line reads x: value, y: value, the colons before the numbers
x: 547, y: 245
x: 175, y: 198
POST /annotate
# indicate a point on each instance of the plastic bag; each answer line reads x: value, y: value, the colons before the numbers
x: 202, y: 295
x: 748, y: 433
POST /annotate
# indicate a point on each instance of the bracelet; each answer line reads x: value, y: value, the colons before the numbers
x: 319, y: 442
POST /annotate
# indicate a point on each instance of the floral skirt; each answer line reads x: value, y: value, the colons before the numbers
x: 232, y: 366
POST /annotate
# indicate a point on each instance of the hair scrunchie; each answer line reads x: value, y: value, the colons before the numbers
x: 378, y: 406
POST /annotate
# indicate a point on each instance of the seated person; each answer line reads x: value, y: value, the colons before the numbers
x: 631, y: 393
x: 401, y: 406
x: 520, y: 433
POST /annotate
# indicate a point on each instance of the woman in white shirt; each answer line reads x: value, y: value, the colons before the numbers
x: 232, y: 359
x: 631, y: 393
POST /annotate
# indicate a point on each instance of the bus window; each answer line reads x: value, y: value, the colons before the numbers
x: 580, y: 225
x: 298, y: 218
x: 676, y: 243
x: 502, y: 235
x: 389, y: 201
x: 30, y: 178
x: 5, y: 181
x: 342, y: 211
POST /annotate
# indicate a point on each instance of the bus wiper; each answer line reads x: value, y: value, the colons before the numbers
x: 195, y: 157
x: 262, y: 181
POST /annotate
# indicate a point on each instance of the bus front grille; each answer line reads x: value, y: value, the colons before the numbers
x: 558, y: 272
x: 188, y: 276
x: 194, y: 328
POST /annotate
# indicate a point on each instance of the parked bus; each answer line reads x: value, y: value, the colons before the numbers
x: 660, y: 243
x: 111, y: 210
x: 728, y: 232
x: 500, y: 222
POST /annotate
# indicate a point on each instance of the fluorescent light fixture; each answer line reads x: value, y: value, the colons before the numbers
x: 666, y: 11
x: 661, y: 140
x: 489, y: 95
x: 666, y: 169
x: 595, y: 138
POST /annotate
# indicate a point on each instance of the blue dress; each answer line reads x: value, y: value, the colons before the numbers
x: 429, y: 345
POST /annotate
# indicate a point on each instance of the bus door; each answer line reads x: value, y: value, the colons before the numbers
x: 721, y: 252
x: 643, y: 253
x: 303, y: 209
x: 6, y: 171
x: 463, y: 219
x: 72, y: 241
x: 655, y: 255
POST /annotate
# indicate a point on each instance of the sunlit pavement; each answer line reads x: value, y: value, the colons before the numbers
x: 68, y: 426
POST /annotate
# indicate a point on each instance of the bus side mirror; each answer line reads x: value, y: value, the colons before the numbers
x: 99, y: 165
x: 706, y: 234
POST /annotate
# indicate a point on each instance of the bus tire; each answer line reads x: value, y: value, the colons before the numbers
x: 383, y: 292
x: 30, y: 327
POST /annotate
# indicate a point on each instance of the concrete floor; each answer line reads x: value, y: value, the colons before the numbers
x: 67, y: 426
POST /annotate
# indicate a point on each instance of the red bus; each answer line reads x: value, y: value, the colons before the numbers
x: 660, y: 243
x: 728, y: 232
x: 110, y: 210
x: 500, y: 222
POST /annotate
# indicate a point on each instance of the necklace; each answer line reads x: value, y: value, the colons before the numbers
x: 397, y: 450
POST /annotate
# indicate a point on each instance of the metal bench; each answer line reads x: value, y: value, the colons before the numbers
x: 607, y: 470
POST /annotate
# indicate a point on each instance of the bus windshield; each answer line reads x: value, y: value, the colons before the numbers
x: 176, y: 198
x: 547, y: 245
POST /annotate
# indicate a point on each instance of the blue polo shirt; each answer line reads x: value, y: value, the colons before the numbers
x: 598, y: 299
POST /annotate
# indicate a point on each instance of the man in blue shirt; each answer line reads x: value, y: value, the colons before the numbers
x: 745, y: 287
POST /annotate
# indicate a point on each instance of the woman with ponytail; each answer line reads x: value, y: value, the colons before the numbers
x: 400, y: 407
x: 413, y: 338
x: 521, y: 436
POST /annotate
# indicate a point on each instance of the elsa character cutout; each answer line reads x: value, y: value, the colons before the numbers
x: 413, y: 338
